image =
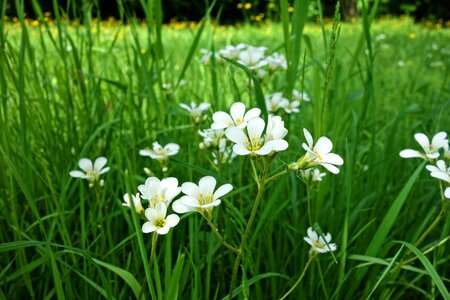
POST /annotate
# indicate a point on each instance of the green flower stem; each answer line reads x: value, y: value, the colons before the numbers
x: 154, y: 241
x: 311, y: 258
x: 271, y: 178
x: 261, y: 186
x: 436, y: 221
x: 220, y: 237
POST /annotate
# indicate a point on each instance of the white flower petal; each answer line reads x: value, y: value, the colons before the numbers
x: 240, y: 149
x: 212, y: 204
x: 161, y: 210
x: 237, y: 111
x: 332, y: 158
x: 236, y: 135
x: 323, y: 145
x: 148, y: 227
x: 190, y: 189
x: 85, y: 164
x: 251, y: 114
x: 409, y: 153
x: 439, y: 140
x: 308, y: 137
x: 206, y: 185
x: 172, y: 220
x: 222, y: 190
x: 264, y: 150
x: 447, y: 193
x: 255, y: 128
x: 331, y: 168
x: 278, y: 145
x: 104, y: 170
x: 423, y: 141
x: 145, y: 152
x: 78, y: 174
x: 189, y: 201
x: 163, y: 230
x: 180, y: 208
x: 221, y: 120
x: 100, y: 163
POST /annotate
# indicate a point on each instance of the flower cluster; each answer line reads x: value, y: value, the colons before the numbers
x: 275, y: 102
x: 246, y: 130
x: 254, y: 58
x: 436, y: 152
x: 158, y: 195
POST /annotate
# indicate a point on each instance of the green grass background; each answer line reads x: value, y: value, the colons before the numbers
x: 105, y: 97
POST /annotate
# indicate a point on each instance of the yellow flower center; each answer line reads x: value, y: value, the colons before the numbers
x: 160, y: 223
x: 205, y: 199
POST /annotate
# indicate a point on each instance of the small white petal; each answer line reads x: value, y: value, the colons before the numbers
x: 190, y: 189
x: 100, y: 163
x: 239, y: 149
x: 179, y: 207
x: 85, y: 164
x: 308, y: 137
x: 148, y: 227
x: 278, y: 145
x: 236, y: 135
x: 104, y: 170
x: 323, y: 145
x: 222, y: 190
x: 221, y: 120
x: 78, y: 174
x: 252, y: 113
x: 212, y: 204
x: 172, y: 220
x: 447, y: 193
x: 255, y: 128
x: 206, y: 185
x: 331, y: 168
x: 332, y: 158
x: 237, y: 111
x: 423, y: 141
x: 145, y: 152
x: 189, y: 201
x: 163, y: 230
x: 409, y: 153
x: 439, y: 140
x: 264, y: 150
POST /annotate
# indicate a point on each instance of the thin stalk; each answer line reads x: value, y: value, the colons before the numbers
x: 261, y: 187
x: 271, y: 178
x: 154, y: 241
x: 311, y: 258
x: 220, y: 237
x: 436, y: 221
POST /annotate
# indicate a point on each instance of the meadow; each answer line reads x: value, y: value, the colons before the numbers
x: 107, y: 89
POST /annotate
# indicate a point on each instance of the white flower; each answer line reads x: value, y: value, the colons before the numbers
x: 319, y: 154
x: 232, y: 52
x: 312, y: 174
x: 201, y: 197
x: 159, y: 152
x: 250, y: 141
x: 91, y: 171
x: 318, y: 243
x: 276, y: 101
x: 276, y: 61
x: 276, y: 131
x: 136, y: 200
x: 237, y: 117
x: 292, y: 107
x: 440, y: 171
x: 205, y: 57
x: 300, y: 96
x: 195, y: 111
x: 431, y: 149
x: 252, y: 57
x: 155, y: 190
x: 211, y: 137
x: 157, y: 220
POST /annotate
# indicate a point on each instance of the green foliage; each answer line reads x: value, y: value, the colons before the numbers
x: 73, y: 91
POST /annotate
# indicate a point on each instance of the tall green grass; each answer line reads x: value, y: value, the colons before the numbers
x: 71, y: 91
